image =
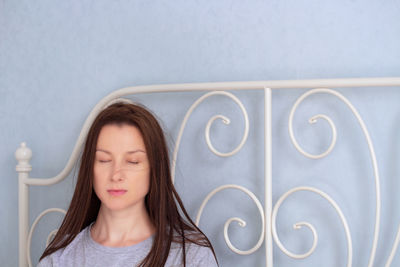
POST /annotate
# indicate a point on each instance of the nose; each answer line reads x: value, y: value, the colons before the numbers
x: 118, y: 174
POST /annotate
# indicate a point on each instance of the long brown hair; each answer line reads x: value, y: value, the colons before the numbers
x: 162, y: 200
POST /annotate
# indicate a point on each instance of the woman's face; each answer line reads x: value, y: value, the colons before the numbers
x: 121, y: 168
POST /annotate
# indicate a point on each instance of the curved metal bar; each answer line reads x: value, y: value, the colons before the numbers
x: 241, y: 222
x: 226, y: 121
x: 29, y: 241
x: 370, y: 147
x: 207, y: 131
x: 394, y: 248
x: 312, y: 120
x: 310, y: 226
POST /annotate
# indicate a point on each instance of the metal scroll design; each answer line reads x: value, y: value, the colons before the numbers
x: 299, y: 225
x: 225, y: 120
x: 49, y: 237
x: 240, y: 221
x: 312, y: 120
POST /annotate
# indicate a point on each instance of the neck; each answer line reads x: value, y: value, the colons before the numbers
x: 122, y: 228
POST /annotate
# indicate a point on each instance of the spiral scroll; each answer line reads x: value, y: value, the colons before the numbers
x: 224, y: 119
x: 240, y: 221
x: 298, y: 225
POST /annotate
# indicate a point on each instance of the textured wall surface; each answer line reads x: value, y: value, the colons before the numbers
x: 59, y: 58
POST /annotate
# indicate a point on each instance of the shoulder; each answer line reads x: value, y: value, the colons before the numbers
x: 59, y: 256
x: 196, y: 255
x: 47, y: 261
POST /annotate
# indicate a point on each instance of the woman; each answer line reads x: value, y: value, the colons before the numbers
x: 125, y: 210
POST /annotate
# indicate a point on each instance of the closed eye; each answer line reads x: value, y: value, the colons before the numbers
x: 103, y: 161
x: 133, y: 162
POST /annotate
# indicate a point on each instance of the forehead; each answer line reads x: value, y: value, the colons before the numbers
x: 120, y: 136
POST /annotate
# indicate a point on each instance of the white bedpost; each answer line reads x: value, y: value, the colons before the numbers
x: 23, y: 155
x: 268, y: 176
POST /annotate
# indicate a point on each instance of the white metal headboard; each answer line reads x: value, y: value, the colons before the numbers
x: 268, y: 212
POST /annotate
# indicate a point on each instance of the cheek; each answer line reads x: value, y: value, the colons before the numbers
x: 100, y: 172
x: 96, y: 186
x: 144, y: 184
x: 98, y: 180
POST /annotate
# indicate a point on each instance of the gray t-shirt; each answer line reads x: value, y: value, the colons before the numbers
x: 84, y: 251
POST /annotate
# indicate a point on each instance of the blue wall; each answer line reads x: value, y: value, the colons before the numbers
x: 59, y: 58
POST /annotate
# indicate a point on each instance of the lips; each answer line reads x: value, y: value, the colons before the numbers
x: 118, y: 192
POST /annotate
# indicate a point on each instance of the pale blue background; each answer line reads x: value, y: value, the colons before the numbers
x: 59, y: 58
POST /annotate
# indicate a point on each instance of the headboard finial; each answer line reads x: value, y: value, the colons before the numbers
x: 23, y: 155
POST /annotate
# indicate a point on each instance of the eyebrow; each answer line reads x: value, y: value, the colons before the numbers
x: 129, y: 152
